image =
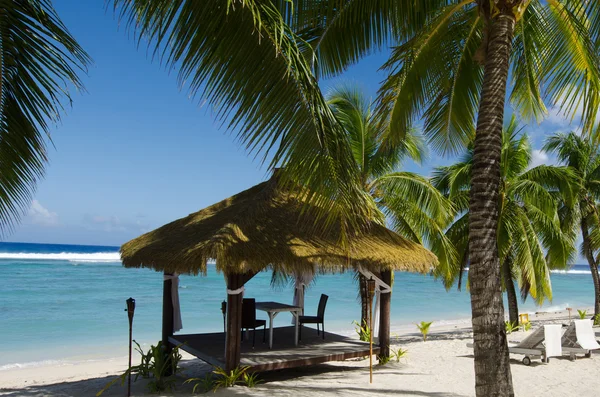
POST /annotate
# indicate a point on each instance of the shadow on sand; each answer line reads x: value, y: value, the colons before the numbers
x: 295, y: 383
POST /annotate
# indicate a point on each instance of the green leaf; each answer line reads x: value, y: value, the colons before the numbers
x: 39, y: 61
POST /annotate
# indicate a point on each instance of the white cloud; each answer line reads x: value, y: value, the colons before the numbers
x: 39, y: 215
x: 538, y: 157
x: 557, y: 118
x: 573, y: 119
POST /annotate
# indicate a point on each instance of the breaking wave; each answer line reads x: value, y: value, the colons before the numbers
x: 64, y: 256
x: 571, y: 271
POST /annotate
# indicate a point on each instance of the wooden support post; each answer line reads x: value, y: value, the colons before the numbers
x: 384, y: 316
x: 233, y: 334
x: 167, y: 314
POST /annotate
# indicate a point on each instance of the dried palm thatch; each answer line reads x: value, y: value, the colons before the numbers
x: 264, y: 227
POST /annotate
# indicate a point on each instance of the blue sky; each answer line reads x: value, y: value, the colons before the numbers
x: 134, y: 153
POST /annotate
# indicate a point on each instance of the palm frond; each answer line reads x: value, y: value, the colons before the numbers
x: 39, y: 60
x: 433, y: 74
x: 573, y: 65
x: 243, y: 59
x: 408, y: 186
x: 374, y: 24
x: 527, y: 63
x: 562, y: 180
x: 458, y: 234
x: 529, y: 255
x: 559, y: 244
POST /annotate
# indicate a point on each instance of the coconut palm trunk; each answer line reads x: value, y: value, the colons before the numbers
x: 592, y: 263
x: 511, y: 294
x: 492, y: 369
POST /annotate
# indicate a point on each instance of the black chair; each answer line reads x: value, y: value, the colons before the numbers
x: 249, y: 320
x: 318, y: 319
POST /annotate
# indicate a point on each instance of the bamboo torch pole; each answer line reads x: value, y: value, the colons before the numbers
x: 130, y: 311
x: 371, y: 287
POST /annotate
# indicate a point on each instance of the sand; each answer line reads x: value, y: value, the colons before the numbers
x: 440, y: 367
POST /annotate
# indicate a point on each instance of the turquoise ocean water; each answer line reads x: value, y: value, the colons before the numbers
x: 66, y: 302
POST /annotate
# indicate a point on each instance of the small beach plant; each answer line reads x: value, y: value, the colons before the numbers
x: 398, y: 354
x: 204, y: 384
x: 155, y: 365
x: 383, y: 360
x: 582, y: 313
x: 597, y: 319
x: 363, y: 331
x: 251, y: 380
x: 162, y: 368
x: 511, y: 327
x: 229, y: 378
x: 423, y: 327
x: 526, y: 326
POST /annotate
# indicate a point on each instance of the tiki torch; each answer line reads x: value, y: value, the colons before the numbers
x: 371, y: 288
x: 224, y: 311
x: 130, y: 311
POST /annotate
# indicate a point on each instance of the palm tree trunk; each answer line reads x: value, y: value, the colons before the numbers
x: 511, y: 294
x: 492, y: 370
x: 592, y: 263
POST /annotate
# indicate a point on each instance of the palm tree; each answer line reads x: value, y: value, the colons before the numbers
x: 413, y: 207
x: 256, y: 62
x: 450, y: 66
x: 583, y: 158
x: 530, y: 239
x: 38, y: 60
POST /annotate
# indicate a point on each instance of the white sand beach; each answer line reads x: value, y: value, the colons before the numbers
x: 440, y: 367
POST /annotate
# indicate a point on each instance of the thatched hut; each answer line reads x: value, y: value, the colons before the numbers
x: 266, y: 227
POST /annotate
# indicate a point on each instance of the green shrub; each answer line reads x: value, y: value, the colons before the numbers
x: 158, y: 366
x: 423, y: 327
x: 363, y: 331
x: 398, y: 354
x: 510, y: 327
x: 237, y: 376
x: 526, y: 326
x: 251, y: 380
x: 383, y: 360
x: 229, y: 379
x: 597, y: 319
x: 204, y: 384
x: 582, y: 314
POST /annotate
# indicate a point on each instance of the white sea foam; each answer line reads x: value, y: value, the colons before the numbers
x: 571, y: 271
x: 65, y: 256
x: 32, y: 364
x: 555, y: 308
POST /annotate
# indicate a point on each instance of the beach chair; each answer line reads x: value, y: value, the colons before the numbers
x: 579, y: 338
x: 542, y: 343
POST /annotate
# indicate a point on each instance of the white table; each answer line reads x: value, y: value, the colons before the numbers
x: 273, y: 309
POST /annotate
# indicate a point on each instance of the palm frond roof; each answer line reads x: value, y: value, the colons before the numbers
x: 268, y: 226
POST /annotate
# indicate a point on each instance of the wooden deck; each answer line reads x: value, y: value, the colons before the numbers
x: 312, y: 349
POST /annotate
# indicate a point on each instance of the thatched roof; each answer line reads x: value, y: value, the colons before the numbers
x: 261, y: 227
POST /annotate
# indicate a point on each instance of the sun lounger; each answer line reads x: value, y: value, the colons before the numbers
x: 542, y: 343
x: 579, y: 338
